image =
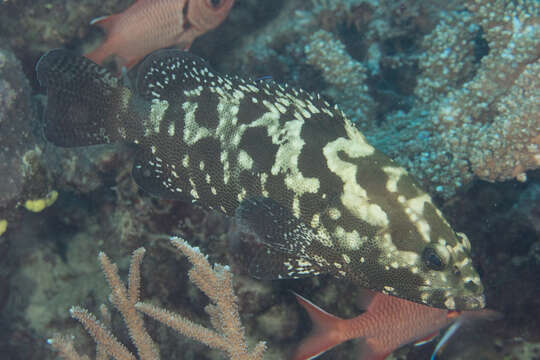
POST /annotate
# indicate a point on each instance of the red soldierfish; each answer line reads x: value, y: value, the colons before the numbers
x: 388, y: 323
x: 148, y: 25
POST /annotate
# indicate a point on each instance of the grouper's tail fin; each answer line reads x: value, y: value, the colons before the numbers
x: 86, y: 104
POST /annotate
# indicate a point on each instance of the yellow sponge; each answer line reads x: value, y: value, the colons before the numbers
x: 37, y: 205
x: 3, y: 226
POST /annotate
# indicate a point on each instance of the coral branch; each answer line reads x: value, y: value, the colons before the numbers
x: 103, y: 337
x: 228, y: 335
x: 124, y: 300
x: 217, y: 284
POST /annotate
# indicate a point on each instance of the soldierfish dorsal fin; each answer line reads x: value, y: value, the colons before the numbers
x: 325, y: 333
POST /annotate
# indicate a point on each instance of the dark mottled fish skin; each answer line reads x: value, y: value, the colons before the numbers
x: 289, y: 166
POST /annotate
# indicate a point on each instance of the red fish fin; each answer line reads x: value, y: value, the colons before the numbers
x: 131, y: 62
x: 373, y: 357
x: 107, y: 48
x: 101, y: 53
x: 365, y: 298
x: 426, y: 339
x: 484, y: 314
x: 364, y: 349
x: 105, y: 22
x: 325, y: 334
x: 184, y: 45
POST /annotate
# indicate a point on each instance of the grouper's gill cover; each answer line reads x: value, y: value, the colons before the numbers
x: 290, y: 167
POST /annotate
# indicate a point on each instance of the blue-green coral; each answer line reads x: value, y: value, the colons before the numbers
x: 451, y: 91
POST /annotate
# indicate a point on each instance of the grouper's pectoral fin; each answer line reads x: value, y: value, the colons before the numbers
x: 270, y: 264
x: 155, y: 177
x: 287, y: 242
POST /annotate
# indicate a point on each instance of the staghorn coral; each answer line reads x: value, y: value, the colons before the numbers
x: 216, y: 282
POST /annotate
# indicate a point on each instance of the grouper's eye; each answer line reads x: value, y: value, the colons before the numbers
x: 432, y: 260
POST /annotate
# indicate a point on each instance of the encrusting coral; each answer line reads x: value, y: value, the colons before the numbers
x: 477, y: 99
x: 216, y: 282
x: 491, y: 120
x: 450, y: 90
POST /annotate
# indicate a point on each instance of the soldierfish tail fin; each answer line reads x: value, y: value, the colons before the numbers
x: 325, y: 334
x: 86, y: 105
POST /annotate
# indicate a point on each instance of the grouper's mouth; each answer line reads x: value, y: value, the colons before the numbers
x: 471, y: 302
x: 456, y: 301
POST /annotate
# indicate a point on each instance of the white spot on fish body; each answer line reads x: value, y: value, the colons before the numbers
x: 185, y: 161
x: 192, y: 131
x: 157, y: 110
x: 241, y: 195
x: 244, y: 160
x: 334, y: 213
x: 394, y: 174
x: 315, y: 220
x: 296, y: 207
x: 312, y: 108
x: 281, y: 108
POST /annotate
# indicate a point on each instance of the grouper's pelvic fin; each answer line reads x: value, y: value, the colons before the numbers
x: 87, y: 105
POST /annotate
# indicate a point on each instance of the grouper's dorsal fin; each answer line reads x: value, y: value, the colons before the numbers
x: 288, y: 242
x: 167, y: 74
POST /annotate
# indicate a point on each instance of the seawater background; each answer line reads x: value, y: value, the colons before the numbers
x: 367, y: 56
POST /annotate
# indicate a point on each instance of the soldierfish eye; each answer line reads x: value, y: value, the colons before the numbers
x: 215, y: 3
x: 432, y: 260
